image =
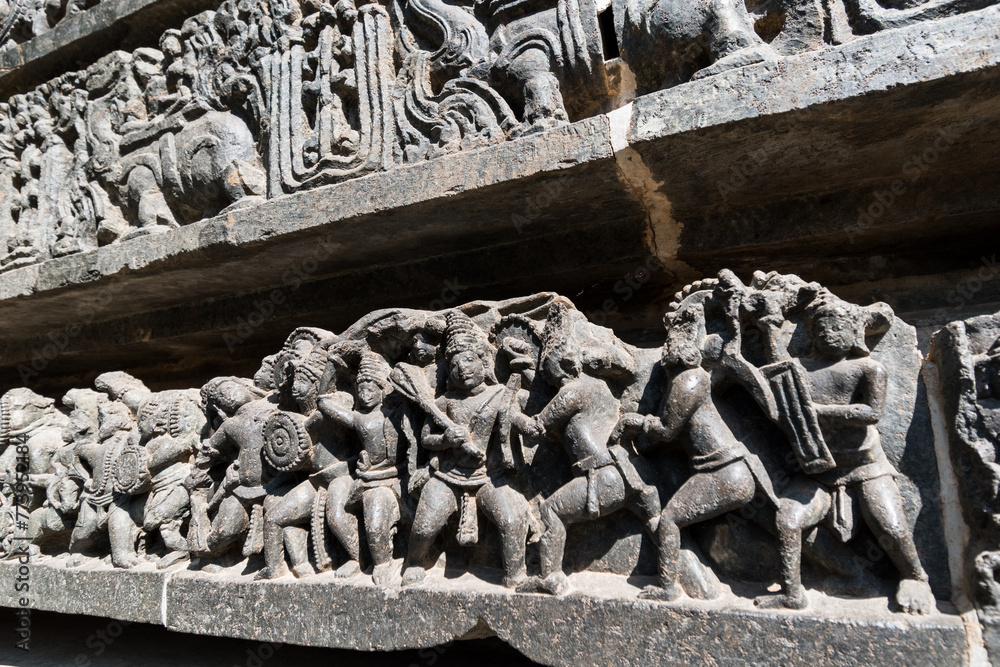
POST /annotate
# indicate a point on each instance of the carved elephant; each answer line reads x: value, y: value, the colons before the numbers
x: 186, y: 170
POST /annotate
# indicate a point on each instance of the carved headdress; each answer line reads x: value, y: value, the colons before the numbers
x: 864, y: 321
x: 463, y: 335
x: 373, y: 368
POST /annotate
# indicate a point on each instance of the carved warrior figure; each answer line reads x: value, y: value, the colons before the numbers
x: 150, y: 470
x: 463, y: 425
x: 238, y: 500
x: 375, y: 484
x: 96, y: 454
x: 725, y: 475
x: 846, y: 392
x: 298, y: 438
x: 582, y: 415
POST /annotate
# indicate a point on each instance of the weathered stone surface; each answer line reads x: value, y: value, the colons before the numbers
x: 93, y: 589
x: 600, y: 628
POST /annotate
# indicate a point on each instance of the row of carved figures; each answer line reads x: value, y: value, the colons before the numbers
x: 257, y: 99
x: 414, y: 432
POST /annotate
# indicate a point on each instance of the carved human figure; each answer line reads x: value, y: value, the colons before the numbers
x: 722, y: 479
x: 848, y: 392
x: 375, y: 484
x: 150, y: 472
x: 96, y: 456
x: 298, y: 383
x: 581, y: 416
x: 238, y: 501
x: 463, y: 424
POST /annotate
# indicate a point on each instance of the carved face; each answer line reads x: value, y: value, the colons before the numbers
x: 562, y: 365
x: 682, y: 346
x: 466, y: 370
x: 369, y: 394
x: 304, y: 390
x: 154, y: 420
x: 834, y: 335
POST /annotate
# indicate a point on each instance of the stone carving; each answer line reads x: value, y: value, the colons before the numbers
x: 967, y: 364
x: 255, y: 100
x: 20, y: 20
x: 476, y: 432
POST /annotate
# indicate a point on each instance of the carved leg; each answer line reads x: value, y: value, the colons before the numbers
x: 570, y: 504
x: 87, y: 529
x: 297, y: 546
x: 293, y: 507
x: 882, y: 507
x: 148, y: 200
x: 543, y: 101
x: 703, y: 496
x: 343, y: 492
x: 123, y: 531
x: 510, y: 512
x: 229, y: 524
x: 381, y: 515
x: 437, y: 505
x: 795, y: 515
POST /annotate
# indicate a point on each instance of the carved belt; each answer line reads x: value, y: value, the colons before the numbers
x: 380, y: 477
x: 469, y: 483
x: 250, y: 493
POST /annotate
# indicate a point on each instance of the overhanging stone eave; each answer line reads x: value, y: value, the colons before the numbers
x: 564, y: 179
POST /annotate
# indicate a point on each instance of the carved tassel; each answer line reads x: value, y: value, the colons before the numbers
x: 468, y: 521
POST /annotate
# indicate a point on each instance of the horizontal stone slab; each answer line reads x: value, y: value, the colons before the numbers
x: 601, y: 623
x: 87, y: 35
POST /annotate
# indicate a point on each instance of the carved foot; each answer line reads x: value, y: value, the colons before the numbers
x: 75, y: 560
x: 413, y: 575
x: 794, y: 599
x: 272, y: 572
x: 556, y: 583
x: 661, y: 593
x: 514, y: 580
x: 126, y: 562
x: 382, y: 574
x: 172, y: 558
x: 348, y: 569
x: 212, y: 568
x: 748, y: 56
x: 915, y: 597
x: 303, y: 570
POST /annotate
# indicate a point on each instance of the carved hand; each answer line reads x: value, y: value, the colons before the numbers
x: 629, y: 425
